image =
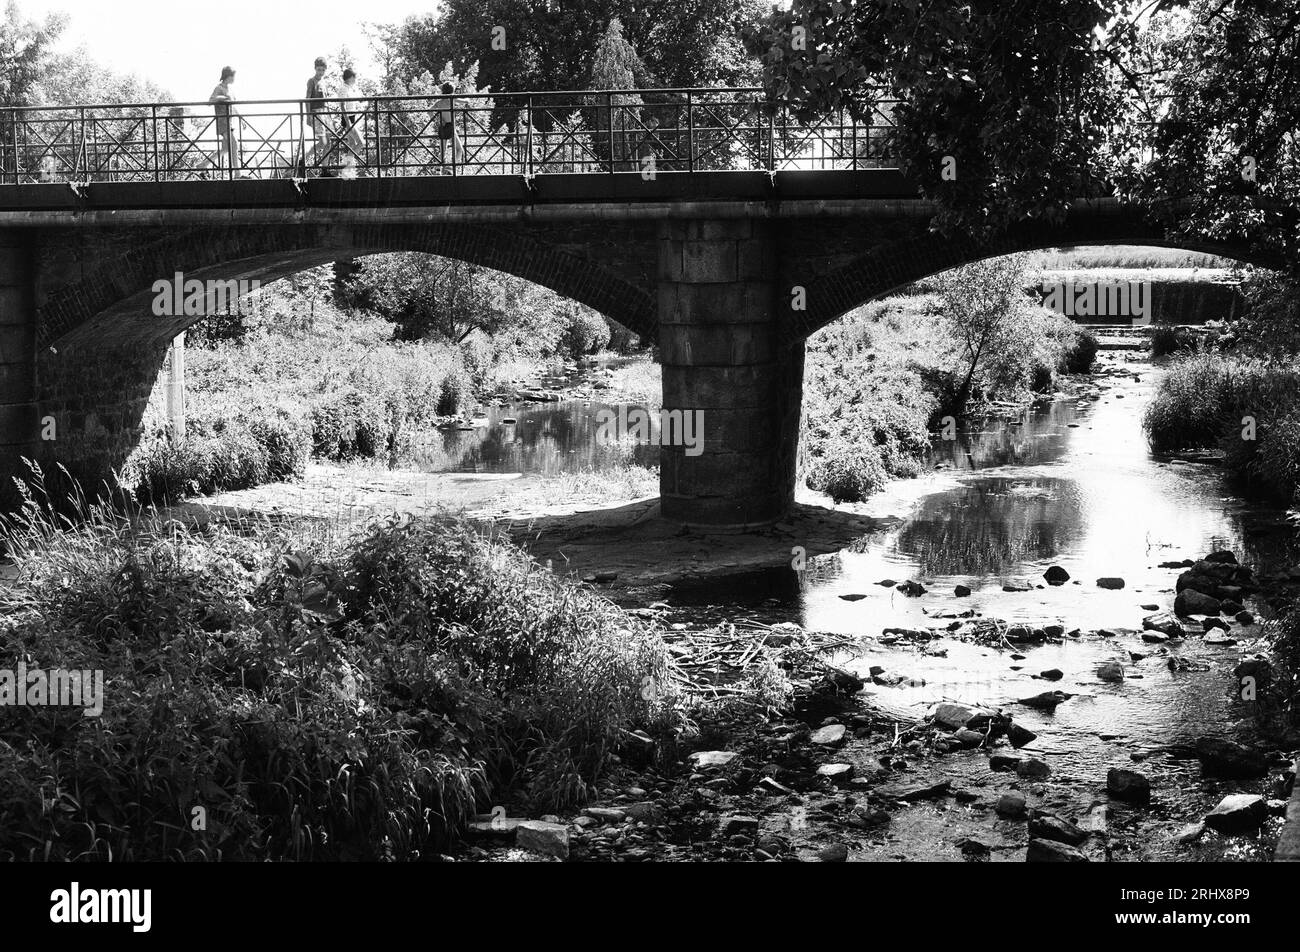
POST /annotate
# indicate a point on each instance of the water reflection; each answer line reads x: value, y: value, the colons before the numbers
x: 547, y: 439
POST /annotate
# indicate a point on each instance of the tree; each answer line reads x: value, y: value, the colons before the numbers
x: 25, y: 52
x: 992, y: 321
x: 1213, y: 120
x: 1011, y: 100
x: 616, y: 118
x: 545, y: 45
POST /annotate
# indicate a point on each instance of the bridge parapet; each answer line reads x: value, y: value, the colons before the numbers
x: 501, y: 134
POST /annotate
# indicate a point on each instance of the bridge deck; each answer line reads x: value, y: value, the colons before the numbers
x: 427, y: 191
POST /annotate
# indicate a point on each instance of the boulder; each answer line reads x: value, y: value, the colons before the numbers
x: 1020, y: 736
x: 703, y: 759
x: 1047, y: 701
x: 1004, y: 761
x: 1165, y: 623
x: 1110, y: 671
x: 1221, y: 556
x: 1056, y: 575
x: 1050, y: 851
x: 961, y: 591
x: 1017, y: 586
x: 1111, y: 583
x: 1052, y: 674
x: 836, y: 773
x: 953, y: 715
x: 835, y: 853
x: 1226, y: 758
x: 832, y: 735
x: 548, y: 839
x: 1011, y: 805
x: 1128, y: 785
x: 1238, y: 813
x: 1033, y: 769
x: 1192, y: 602
x: 736, y: 824
x: 605, y: 814
x: 1054, y: 828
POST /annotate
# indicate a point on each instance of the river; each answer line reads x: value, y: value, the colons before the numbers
x: 1069, y: 483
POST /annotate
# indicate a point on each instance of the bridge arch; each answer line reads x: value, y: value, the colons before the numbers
x: 107, y: 298
x: 889, y: 267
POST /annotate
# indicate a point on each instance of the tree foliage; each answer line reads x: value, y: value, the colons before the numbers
x: 548, y: 45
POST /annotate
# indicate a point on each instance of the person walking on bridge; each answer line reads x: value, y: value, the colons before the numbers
x: 221, y: 100
x: 320, y: 130
x: 446, y: 107
x: 354, y: 117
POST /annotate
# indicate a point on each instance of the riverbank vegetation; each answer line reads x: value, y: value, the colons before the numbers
x: 315, y: 698
x: 1241, y: 396
x: 353, y: 368
x: 882, y: 379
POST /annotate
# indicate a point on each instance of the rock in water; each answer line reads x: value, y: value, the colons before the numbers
x: 953, y: 715
x: 1165, y: 623
x: 1020, y: 736
x: 1033, y: 769
x: 1238, y: 813
x: 1056, y: 575
x: 1050, y: 851
x: 1226, y: 758
x: 1110, y: 671
x: 1110, y: 583
x: 1047, y: 701
x: 548, y: 839
x: 1192, y: 602
x: 961, y: 591
x: 1128, y: 785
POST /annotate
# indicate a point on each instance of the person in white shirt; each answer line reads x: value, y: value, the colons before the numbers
x: 227, y: 144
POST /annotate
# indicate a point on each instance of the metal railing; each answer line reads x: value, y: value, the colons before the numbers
x: 648, y: 130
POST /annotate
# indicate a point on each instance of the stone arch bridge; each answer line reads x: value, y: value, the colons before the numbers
x: 703, y: 261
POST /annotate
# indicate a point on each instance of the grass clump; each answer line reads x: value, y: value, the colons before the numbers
x: 321, y: 700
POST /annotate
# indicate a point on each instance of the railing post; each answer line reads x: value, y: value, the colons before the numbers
x: 528, y: 140
x: 13, y: 113
x: 854, y: 141
x: 379, y: 162
x: 609, y: 99
x: 690, y: 132
x: 157, y: 166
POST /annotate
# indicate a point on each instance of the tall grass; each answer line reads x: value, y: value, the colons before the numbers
x: 1248, y: 410
x: 350, y: 700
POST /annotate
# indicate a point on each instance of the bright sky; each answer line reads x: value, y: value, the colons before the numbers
x: 182, y: 45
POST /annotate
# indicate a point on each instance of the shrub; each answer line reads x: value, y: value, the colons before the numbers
x: 217, y: 454
x: 568, y: 667
x: 848, y: 472
x: 352, y: 425
x: 1082, y: 354
x: 1169, y: 339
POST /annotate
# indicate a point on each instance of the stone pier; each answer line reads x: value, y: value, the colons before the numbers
x: 722, y: 354
x: 19, y: 417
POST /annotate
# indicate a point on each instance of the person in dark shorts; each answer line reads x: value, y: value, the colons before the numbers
x: 317, y: 124
x: 227, y: 146
x: 446, y: 106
